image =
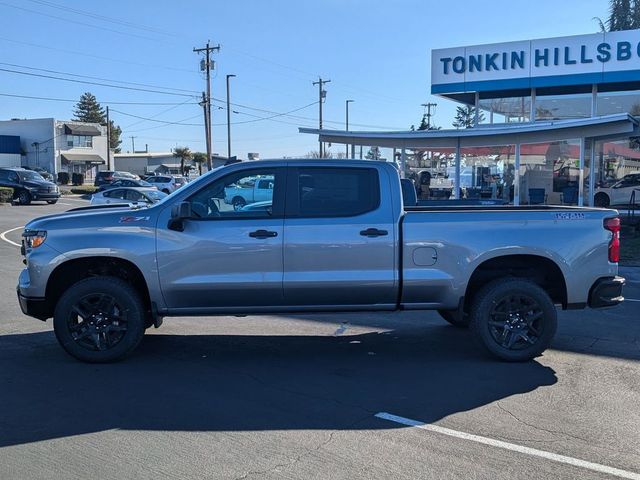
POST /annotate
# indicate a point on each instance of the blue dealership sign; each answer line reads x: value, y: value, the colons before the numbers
x: 583, y: 59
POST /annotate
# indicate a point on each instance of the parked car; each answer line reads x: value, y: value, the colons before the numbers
x: 125, y: 182
x: 254, y: 190
x: 127, y: 195
x: 620, y: 192
x: 165, y: 183
x: 28, y: 186
x: 107, y: 176
x: 337, y: 238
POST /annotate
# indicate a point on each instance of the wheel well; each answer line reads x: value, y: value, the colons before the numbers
x: 72, y: 271
x: 239, y: 198
x: 541, y: 270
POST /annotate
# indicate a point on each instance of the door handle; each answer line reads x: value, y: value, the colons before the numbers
x: 261, y: 234
x: 373, y: 232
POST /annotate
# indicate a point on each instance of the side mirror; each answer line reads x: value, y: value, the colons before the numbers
x: 179, y: 213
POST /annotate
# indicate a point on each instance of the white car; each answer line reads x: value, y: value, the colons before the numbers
x: 620, y: 192
x: 166, y: 183
x: 130, y: 195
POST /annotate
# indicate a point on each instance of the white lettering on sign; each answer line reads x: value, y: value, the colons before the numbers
x: 595, y: 55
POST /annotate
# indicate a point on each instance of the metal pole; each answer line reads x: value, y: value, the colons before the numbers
x: 108, y: 140
x: 581, y: 178
x: 592, y: 171
x: 403, y: 161
x: 321, y: 95
x: 516, y: 177
x: 456, y: 183
x: 346, y: 105
x: 133, y: 144
x: 228, y: 119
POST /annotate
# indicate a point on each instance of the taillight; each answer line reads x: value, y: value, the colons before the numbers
x: 613, y: 225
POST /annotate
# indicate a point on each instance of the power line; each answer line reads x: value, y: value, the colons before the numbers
x: 156, y: 115
x: 96, y: 16
x: 99, y: 57
x: 27, y: 67
x: 150, y: 119
x: 103, y: 101
x: 86, y: 82
x: 84, y: 24
x: 259, y: 119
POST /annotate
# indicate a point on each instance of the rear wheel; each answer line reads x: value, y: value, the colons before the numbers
x: 238, y: 203
x: 514, y: 319
x: 601, y: 200
x: 455, y: 318
x: 24, y: 198
x: 99, y: 320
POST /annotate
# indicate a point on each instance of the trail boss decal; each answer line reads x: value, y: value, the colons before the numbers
x: 569, y: 216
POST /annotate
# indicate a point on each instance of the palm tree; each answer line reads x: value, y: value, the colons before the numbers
x: 199, y: 158
x: 184, y: 154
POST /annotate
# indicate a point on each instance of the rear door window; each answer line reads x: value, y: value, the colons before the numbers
x: 333, y: 192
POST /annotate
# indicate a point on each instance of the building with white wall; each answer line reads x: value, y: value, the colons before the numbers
x: 59, y: 146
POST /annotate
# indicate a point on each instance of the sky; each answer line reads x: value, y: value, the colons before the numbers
x: 375, y: 52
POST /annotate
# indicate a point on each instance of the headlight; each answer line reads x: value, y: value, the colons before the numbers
x: 34, y: 238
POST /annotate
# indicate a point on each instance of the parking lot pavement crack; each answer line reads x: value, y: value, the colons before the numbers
x: 541, y: 429
x: 306, y: 453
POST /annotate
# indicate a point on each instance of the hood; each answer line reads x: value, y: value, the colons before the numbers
x: 95, y: 216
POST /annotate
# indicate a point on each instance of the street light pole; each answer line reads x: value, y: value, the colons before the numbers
x: 228, y: 119
x: 346, y: 106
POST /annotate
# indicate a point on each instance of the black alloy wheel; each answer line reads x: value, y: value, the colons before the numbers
x: 514, y: 319
x: 24, y: 198
x: 99, y: 319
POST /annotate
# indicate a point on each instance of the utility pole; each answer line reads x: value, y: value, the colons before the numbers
x: 429, y: 106
x: 207, y: 137
x: 228, y: 119
x: 322, y: 94
x: 108, y: 140
x: 133, y: 144
x: 206, y: 66
x: 346, y: 106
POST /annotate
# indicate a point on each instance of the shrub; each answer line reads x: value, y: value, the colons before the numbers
x: 84, y: 190
x: 63, y: 178
x: 6, y: 195
x: 77, y: 178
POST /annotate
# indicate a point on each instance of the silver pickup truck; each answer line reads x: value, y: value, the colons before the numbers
x: 334, y: 236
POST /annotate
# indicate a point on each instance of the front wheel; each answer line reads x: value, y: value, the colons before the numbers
x: 238, y: 203
x: 514, y: 319
x: 99, y: 320
x: 24, y: 198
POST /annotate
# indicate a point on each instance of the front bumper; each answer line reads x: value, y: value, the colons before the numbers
x: 606, y: 292
x: 34, y: 307
x: 35, y: 195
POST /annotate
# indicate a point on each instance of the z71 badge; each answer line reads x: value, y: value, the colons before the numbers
x: 131, y: 219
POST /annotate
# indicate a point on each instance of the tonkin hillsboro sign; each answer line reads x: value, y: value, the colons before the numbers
x: 583, y: 59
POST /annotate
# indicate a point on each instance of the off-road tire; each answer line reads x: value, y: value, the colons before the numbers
x: 129, y: 305
x: 485, y: 315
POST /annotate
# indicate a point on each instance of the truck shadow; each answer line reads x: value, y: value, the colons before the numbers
x: 240, y: 383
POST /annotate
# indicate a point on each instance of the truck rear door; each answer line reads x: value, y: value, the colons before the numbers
x: 340, y: 245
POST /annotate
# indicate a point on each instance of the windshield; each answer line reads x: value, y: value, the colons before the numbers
x: 156, y: 195
x: 28, y: 175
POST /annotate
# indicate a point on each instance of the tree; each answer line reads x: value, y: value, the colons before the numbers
x: 466, y: 117
x: 199, y: 158
x: 114, y: 137
x: 184, y: 154
x: 623, y: 15
x: 89, y: 110
x: 423, y: 123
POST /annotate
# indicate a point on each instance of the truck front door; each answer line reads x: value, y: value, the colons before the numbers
x: 225, y: 257
x: 340, y: 245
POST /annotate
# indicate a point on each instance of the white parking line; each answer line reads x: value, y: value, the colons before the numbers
x: 3, y: 236
x: 596, y: 467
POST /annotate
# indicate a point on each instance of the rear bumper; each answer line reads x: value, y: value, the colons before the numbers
x: 606, y: 292
x: 34, y: 307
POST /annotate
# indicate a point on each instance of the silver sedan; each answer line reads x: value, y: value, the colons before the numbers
x: 129, y: 195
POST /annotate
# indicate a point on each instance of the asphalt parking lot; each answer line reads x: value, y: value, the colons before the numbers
x: 400, y: 395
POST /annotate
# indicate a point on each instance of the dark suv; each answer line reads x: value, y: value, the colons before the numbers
x: 28, y: 185
x: 104, y: 178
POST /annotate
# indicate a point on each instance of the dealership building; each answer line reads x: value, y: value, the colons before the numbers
x: 555, y: 120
